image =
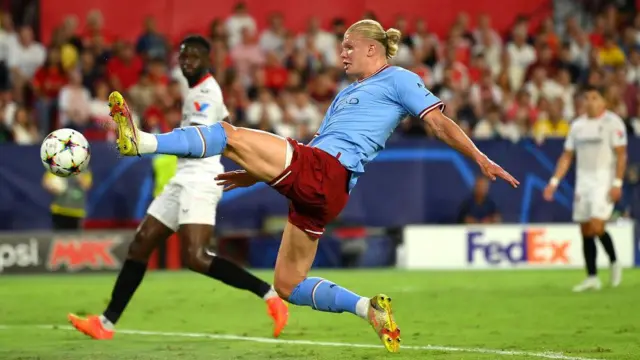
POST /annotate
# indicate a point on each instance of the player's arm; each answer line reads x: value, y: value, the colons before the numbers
x: 621, y: 164
x: 421, y: 103
x: 619, y: 143
x: 449, y: 132
x: 562, y: 166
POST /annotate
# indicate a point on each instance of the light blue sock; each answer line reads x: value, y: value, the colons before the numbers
x: 323, y: 295
x: 193, y: 141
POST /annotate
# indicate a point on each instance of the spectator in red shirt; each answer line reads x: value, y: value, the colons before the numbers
x: 275, y: 73
x: 597, y: 35
x: 546, y: 59
x: 95, y: 30
x: 46, y: 83
x: 124, y: 68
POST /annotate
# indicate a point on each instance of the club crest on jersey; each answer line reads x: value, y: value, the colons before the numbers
x: 200, y: 107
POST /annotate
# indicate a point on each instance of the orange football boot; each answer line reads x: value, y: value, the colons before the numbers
x: 279, y: 312
x: 91, y: 326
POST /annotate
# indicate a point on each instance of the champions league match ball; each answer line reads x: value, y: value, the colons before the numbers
x: 65, y: 152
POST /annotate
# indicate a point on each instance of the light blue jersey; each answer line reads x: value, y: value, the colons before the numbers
x: 363, y: 116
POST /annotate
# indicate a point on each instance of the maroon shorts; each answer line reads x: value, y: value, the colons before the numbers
x: 317, y: 186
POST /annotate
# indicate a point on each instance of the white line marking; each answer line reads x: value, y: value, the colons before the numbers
x: 543, y: 355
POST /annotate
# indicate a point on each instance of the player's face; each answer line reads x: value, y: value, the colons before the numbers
x: 192, y: 60
x: 595, y: 103
x: 354, y: 53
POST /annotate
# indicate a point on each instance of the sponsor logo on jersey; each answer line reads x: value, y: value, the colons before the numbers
x: 200, y: 107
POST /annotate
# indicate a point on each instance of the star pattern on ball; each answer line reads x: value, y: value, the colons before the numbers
x: 68, y: 144
x: 50, y: 160
x: 74, y: 169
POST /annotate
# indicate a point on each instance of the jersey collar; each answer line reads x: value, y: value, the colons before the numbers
x: 204, y: 78
x: 385, y: 66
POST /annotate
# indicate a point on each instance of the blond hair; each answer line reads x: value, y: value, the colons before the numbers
x: 372, y: 29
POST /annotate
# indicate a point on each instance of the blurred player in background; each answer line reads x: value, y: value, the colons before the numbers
x: 599, y: 141
x: 68, y: 207
x: 187, y: 205
x: 317, y: 178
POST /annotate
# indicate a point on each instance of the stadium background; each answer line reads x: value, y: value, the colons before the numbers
x: 516, y: 101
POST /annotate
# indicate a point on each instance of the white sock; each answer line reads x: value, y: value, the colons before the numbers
x: 147, y: 143
x: 108, y: 325
x: 270, y: 294
x: 362, y: 308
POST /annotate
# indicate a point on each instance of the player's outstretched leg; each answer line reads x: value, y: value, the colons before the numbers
x: 195, y: 238
x: 102, y: 327
x: 260, y: 153
x: 297, y: 252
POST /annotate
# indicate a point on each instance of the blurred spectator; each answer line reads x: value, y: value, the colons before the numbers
x: 568, y: 91
x: 489, y: 47
x: 74, y: 103
x: 124, y: 68
x: 491, y: 126
x: 272, y: 38
x: 610, y: 53
x: 47, y: 83
x: 275, y: 74
x: 151, y: 44
x: 95, y: 31
x: 305, y: 114
x: 25, y: 131
x: 90, y: 72
x: 99, y: 108
x: 237, y: 23
x: 553, y: 125
x: 142, y: 94
x: 322, y: 41
x: 7, y: 40
x: 521, y: 54
x: 486, y: 91
x: 541, y: 86
x: 479, y: 208
x: 545, y: 59
x: 264, y: 113
x: 485, y: 33
x: 25, y: 57
x: 247, y: 55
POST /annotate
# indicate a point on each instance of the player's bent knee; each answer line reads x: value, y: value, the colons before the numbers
x: 597, y: 227
x: 284, y: 284
x: 197, y: 259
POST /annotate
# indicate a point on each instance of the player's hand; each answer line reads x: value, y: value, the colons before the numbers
x: 235, y: 179
x: 549, y: 191
x: 615, y: 194
x: 494, y: 171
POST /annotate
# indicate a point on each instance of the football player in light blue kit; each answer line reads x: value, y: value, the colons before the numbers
x: 318, y: 177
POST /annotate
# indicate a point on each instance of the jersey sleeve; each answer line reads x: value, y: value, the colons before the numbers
x: 414, y: 95
x: 570, y: 142
x: 618, y: 132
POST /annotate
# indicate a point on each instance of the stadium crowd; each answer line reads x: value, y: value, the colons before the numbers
x: 522, y: 83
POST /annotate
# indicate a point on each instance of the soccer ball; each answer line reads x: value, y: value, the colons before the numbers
x: 65, y: 152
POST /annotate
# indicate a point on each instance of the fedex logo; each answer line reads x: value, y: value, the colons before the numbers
x: 532, y: 248
x: 200, y: 107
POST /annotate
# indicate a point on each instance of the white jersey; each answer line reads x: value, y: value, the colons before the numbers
x: 594, y: 141
x: 203, y: 105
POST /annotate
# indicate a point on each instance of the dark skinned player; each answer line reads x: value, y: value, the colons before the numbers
x: 187, y: 206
